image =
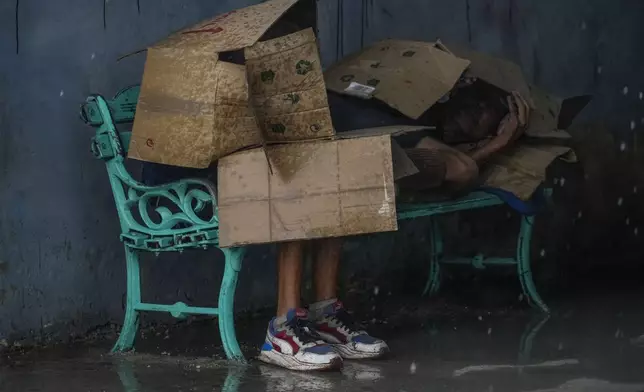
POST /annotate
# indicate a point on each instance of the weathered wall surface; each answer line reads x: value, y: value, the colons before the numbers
x: 61, y: 265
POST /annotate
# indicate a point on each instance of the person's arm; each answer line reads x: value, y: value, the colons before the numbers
x: 510, y: 129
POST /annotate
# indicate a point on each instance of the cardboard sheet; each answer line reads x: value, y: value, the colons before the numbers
x: 522, y: 169
x: 339, y: 188
x: 409, y: 76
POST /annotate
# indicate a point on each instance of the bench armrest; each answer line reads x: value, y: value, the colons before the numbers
x: 188, y: 204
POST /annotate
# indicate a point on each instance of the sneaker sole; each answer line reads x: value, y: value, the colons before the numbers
x: 348, y: 353
x: 291, y: 363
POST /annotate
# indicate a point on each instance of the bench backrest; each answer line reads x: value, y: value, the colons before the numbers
x: 122, y: 109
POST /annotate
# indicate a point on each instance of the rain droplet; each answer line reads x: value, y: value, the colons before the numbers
x: 632, y: 125
x: 618, y: 333
x: 489, y: 331
x: 635, y: 189
x: 560, y: 347
x: 622, y: 146
x: 628, y: 221
x: 521, y: 295
x: 62, y: 93
x: 556, y: 181
x: 376, y: 290
x: 543, y: 254
x: 642, y: 120
x: 580, y: 214
x: 625, y: 90
x: 599, y: 69
x: 620, y: 201
x: 480, y: 318
x: 583, y: 25
x: 412, y: 368
x: 562, y: 182
x: 636, y: 231
x: 641, y: 95
x: 93, y: 56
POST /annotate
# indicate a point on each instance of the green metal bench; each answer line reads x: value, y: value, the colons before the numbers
x: 522, y: 260
x: 168, y: 218
x: 188, y: 220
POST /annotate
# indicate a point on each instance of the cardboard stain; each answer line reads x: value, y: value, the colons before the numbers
x: 409, y: 76
x: 334, y: 188
x: 288, y: 90
x: 194, y: 109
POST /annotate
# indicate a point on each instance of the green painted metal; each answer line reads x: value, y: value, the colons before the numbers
x: 480, y: 262
x: 167, y: 218
x: 524, y: 264
x: 472, y: 201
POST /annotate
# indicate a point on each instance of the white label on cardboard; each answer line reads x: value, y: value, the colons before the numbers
x: 360, y: 90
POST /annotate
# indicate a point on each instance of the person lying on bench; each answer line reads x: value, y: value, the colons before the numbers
x: 322, y: 336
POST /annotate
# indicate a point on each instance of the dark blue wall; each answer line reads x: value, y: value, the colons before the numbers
x: 61, y: 265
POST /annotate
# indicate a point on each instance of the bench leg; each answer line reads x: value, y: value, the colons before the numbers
x: 131, y: 322
x: 524, y: 264
x: 234, y: 258
x: 436, y: 249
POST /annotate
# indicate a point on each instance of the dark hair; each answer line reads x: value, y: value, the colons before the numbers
x: 473, y: 101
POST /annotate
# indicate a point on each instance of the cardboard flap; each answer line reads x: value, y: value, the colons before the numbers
x: 522, y: 169
x: 409, y: 76
x: 233, y: 30
x: 551, y: 114
x: 393, y: 130
x: 287, y: 88
x: 496, y: 71
x: 403, y: 165
x: 570, y: 108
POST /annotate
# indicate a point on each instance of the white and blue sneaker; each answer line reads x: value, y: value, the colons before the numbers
x: 336, y: 327
x: 293, y: 344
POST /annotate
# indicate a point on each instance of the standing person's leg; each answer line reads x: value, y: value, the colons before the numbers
x: 290, y: 342
x: 289, y: 276
x: 334, y: 324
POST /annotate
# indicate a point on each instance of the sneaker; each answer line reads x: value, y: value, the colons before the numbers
x: 293, y: 344
x: 336, y: 327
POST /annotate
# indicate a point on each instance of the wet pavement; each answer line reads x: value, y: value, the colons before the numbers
x: 590, y: 343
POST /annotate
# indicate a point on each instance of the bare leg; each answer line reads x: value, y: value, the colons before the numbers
x: 327, y: 262
x: 289, y: 270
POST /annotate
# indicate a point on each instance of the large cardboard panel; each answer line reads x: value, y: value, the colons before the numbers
x: 409, y: 76
x: 193, y: 109
x: 337, y: 188
x: 287, y: 88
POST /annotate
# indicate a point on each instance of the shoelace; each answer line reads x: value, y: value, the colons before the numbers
x: 303, y: 330
x: 346, y: 321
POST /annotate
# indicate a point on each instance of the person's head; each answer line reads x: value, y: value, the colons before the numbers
x: 473, y: 113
